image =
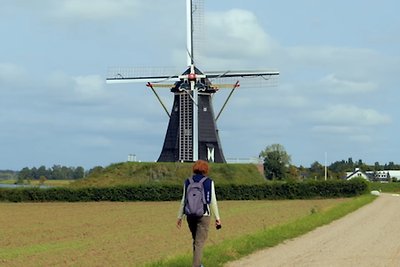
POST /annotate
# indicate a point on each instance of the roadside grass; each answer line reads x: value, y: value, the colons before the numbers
x: 385, y: 187
x: 132, y: 233
x: 233, y: 249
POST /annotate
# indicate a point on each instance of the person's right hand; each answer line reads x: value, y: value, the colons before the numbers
x: 179, y: 223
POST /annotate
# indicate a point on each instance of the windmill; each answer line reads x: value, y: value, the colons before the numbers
x: 192, y: 131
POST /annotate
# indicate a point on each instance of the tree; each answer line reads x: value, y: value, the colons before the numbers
x: 317, y: 170
x: 338, y: 166
x: 276, y: 161
x: 24, y: 174
x: 350, y: 164
x: 34, y: 174
x: 96, y: 170
x: 391, y: 166
x: 79, y: 173
x: 377, y: 166
x: 57, y: 173
x: 294, y: 173
x: 42, y: 171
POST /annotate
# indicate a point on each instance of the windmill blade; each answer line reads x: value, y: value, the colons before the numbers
x: 198, y: 30
x: 162, y: 85
x: 134, y: 75
x: 248, y: 79
x: 152, y: 79
x: 217, y: 86
x: 246, y: 73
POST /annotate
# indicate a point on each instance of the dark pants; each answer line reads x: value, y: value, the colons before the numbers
x: 199, y: 228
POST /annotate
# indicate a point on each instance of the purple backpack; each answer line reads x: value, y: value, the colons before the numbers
x: 195, y: 203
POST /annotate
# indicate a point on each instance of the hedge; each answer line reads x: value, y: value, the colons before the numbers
x: 276, y: 190
x: 293, y: 190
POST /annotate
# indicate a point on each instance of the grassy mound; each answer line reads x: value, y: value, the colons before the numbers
x: 136, y: 173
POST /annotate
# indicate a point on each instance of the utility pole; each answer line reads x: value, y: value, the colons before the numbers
x: 326, y: 170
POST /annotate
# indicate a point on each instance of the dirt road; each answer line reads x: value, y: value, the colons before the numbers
x: 369, y: 236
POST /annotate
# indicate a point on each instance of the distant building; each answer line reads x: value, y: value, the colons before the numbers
x: 375, y: 176
x: 382, y: 176
x: 357, y: 173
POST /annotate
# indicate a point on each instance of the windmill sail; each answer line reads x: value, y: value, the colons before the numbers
x: 192, y: 131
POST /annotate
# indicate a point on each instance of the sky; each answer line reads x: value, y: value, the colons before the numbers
x: 336, y: 97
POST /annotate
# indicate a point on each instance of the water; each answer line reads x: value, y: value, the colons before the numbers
x: 22, y: 185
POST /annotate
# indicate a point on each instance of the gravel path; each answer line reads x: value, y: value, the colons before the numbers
x: 369, y: 236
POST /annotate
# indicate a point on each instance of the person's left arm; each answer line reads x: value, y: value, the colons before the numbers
x: 214, y: 205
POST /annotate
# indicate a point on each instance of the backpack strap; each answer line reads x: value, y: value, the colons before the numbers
x: 191, y: 181
x: 202, y: 179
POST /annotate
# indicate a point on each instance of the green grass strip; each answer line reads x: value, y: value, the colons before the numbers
x: 229, y: 250
x: 13, y: 253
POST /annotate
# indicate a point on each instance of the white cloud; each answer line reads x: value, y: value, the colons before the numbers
x: 333, y: 129
x: 95, y: 9
x: 59, y: 80
x: 113, y: 124
x: 345, y: 61
x: 329, y: 54
x: 361, y: 138
x: 12, y: 74
x: 282, y: 97
x: 90, y: 86
x: 331, y: 83
x: 235, y: 34
x: 340, y: 133
x: 93, y: 141
x: 350, y: 115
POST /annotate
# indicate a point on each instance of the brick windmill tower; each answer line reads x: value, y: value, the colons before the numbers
x: 192, y: 131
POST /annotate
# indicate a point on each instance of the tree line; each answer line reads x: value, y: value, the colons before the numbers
x: 57, y: 172
x: 276, y: 161
x: 277, y: 166
x: 8, y: 174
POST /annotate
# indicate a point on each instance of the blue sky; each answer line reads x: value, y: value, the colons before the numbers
x: 337, y: 92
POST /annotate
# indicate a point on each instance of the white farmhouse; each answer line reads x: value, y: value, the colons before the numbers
x: 380, y: 176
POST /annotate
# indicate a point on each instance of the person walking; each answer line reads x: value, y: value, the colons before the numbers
x: 199, y: 222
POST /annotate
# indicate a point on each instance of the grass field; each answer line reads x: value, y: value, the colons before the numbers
x: 386, y: 187
x: 126, y: 234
